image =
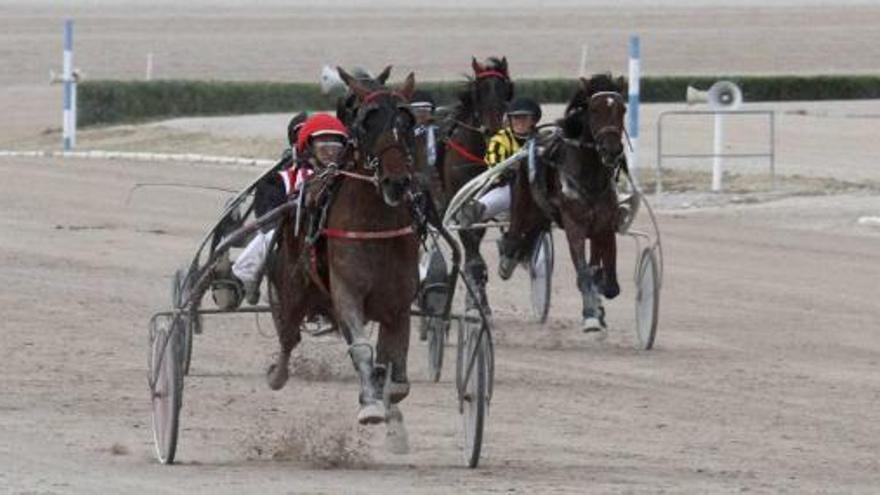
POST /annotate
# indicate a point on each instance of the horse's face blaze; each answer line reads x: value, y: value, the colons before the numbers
x: 387, y: 129
x: 605, y: 121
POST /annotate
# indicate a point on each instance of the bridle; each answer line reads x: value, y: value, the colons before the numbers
x: 481, y: 130
x: 619, y: 132
x: 475, y: 115
x: 373, y: 158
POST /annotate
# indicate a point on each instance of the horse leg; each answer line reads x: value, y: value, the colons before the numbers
x: 350, y: 315
x: 292, y: 309
x: 475, y: 266
x: 391, y: 351
x: 288, y: 336
x: 392, y: 348
x: 608, y: 253
x: 593, y: 313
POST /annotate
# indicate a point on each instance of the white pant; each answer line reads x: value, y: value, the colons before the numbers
x: 496, y: 201
x: 250, y: 262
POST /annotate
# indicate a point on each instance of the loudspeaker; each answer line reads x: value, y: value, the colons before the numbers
x: 723, y: 95
x: 330, y: 81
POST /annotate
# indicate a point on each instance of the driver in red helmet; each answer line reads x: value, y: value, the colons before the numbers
x: 320, y: 142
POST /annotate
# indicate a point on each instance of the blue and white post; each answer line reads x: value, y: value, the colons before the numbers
x: 632, y: 127
x: 67, y: 77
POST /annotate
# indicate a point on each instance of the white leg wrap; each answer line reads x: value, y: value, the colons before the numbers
x: 252, y: 258
x: 496, y: 201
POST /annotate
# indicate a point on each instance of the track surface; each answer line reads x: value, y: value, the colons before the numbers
x: 764, y: 376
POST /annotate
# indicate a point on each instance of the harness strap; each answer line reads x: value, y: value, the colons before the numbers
x: 367, y: 235
x: 313, y: 271
x: 492, y: 73
x: 375, y: 94
x: 461, y: 150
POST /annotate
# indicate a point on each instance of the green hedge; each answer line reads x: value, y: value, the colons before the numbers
x: 106, y: 102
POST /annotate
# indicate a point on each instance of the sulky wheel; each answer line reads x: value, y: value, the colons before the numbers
x: 437, y: 332
x: 475, y: 388
x: 166, y: 384
x: 190, y: 322
x: 541, y: 276
x: 647, y: 298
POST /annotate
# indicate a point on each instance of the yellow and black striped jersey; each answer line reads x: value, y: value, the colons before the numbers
x: 502, y: 145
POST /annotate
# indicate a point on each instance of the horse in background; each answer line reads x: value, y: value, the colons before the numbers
x: 574, y: 184
x: 478, y: 115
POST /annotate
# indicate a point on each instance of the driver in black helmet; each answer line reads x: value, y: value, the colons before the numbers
x: 523, y: 116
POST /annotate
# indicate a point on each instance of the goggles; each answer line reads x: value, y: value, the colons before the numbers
x: 327, y: 151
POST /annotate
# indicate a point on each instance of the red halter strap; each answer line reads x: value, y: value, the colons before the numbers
x: 367, y: 236
x: 375, y: 94
x: 461, y: 150
x: 491, y: 73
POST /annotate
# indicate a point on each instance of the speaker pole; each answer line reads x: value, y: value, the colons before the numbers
x: 717, y: 164
x: 633, y: 111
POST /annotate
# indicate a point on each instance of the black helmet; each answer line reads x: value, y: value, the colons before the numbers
x: 294, y: 125
x: 421, y: 99
x: 525, y: 106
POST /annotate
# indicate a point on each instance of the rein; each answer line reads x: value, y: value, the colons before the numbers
x: 463, y: 152
x: 361, y: 235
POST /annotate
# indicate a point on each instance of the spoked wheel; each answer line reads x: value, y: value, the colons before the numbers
x: 189, y: 323
x: 166, y: 384
x: 432, y: 301
x: 541, y: 276
x: 647, y: 298
x: 474, y: 388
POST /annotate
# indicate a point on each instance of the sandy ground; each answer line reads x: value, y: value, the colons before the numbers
x: 764, y: 378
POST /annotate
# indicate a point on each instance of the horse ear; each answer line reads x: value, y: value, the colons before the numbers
x: 476, y: 65
x: 504, y: 64
x: 383, y: 76
x: 585, y: 84
x: 409, y: 86
x: 352, y: 83
x: 623, y: 84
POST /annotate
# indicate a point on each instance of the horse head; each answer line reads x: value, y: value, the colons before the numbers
x: 605, y: 108
x: 592, y: 131
x: 489, y: 92
x: 383, y: 130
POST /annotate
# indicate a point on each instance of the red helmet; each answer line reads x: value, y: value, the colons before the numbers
x: 319, y: 124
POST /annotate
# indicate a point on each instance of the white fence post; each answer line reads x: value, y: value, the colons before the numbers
x: 67, y: 77
x: 633, y: 110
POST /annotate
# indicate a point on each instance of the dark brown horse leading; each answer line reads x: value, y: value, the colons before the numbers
x: 478, y: 115
x: 364, y: 265
x: 574, y: 183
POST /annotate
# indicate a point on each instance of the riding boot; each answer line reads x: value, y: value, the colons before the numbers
x: 372, y: 408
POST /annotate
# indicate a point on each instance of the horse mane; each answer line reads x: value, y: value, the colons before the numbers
x: 573, y: 122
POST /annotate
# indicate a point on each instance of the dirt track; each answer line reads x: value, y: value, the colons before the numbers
x: 764, y: 377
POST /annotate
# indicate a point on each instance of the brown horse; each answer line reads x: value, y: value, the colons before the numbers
x: 361, y: 264
x: 478, y: 115
x: 574, y: 183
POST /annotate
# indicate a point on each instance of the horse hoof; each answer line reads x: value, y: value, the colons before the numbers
x: 398, y: 391
x: 371, y: 414
x: 277, y: 376
x: 593, y: 324
x: 396, y: 437
x: 611, y: 291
